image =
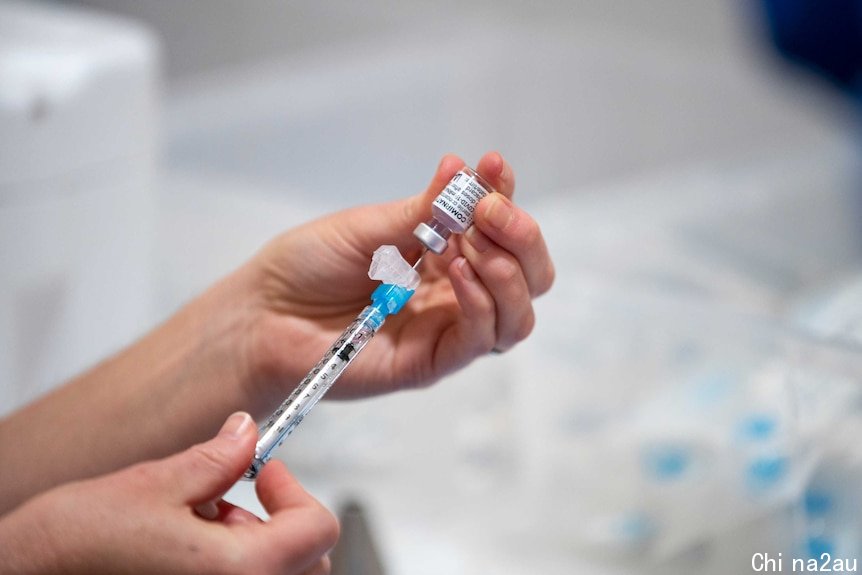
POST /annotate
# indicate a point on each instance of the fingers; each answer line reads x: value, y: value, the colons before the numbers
x: 446, y: 170
x: 497, y: 172
x: 298, y: 535
x: 278, y: 490
x: 230, y: 514
x: 206, y: 471
x: 507, y: 253
x: 402, y: 216
x: 208, y: 510
x: 394, y: 222
x: 304, y: 529
x: 517, y: 233
x: 476, y: 332
x: 503, y: 277
x: 322, y: 567
x: 417, y: 209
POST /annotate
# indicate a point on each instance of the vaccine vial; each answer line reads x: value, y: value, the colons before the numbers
x: 453, y: 209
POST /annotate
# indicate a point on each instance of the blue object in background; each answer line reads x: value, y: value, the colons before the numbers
x: 766, y: 472
x: 666, y: 462
x: 825, y: 36
x: 817, y: 502
x: 758, y: 427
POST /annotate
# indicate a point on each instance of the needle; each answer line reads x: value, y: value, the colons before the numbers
x: 419, y: 261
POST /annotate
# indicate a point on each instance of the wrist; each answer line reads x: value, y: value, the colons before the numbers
x: 26, y: 545
x: 219, y: 326
x: 189, y: 374
x: 243, y: 317
x: 263, y: 349
x: 268, y: 366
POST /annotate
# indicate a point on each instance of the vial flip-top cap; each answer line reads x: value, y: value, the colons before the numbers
x: 431, y: 238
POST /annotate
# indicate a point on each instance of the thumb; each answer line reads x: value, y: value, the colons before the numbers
x: 207, y: 470
x: 393, y: 222
x: 418, y: 208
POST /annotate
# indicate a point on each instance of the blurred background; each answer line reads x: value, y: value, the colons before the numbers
x: 690, y: 395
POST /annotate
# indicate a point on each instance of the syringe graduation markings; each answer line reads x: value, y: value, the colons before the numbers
x: 467, y: 188
x: 387, y: 299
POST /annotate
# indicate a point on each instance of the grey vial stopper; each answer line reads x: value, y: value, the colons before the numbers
x: 432, y: 238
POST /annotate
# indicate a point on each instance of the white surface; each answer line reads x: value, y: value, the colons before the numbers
x: 468, y: 476
x: 569, y: 103
x: 77, y: 91
x: 78, y: 110
x: 658, y: 155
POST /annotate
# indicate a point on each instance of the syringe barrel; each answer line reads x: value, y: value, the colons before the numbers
x: 314, y: 386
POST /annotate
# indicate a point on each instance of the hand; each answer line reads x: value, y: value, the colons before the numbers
x: 312, y: 281
x: 141, y: 519
x: 246, y: 342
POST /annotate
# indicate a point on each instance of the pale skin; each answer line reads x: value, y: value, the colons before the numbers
x: 140, y: 519
x: 243, y: 345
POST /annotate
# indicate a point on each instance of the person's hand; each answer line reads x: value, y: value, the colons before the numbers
x: 311, y: 282
x: 142, y: 519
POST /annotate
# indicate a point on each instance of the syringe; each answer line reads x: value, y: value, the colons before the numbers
x: 387, y: 299
x: 452, y: 212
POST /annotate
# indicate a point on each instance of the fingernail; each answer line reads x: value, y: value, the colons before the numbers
x: 500, y: 211
x: 504, y: 168
x: 467, y: 270
x: 208, y: 510
x: 477, y: 239
x: 235, y: 425
x: 442, y: 162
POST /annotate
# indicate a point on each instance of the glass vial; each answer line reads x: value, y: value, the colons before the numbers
x: 453, y: 209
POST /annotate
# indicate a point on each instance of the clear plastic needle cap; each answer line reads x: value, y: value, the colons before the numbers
x: 388, y: 266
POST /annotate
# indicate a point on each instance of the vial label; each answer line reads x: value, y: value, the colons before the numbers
x: 459, y: 198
